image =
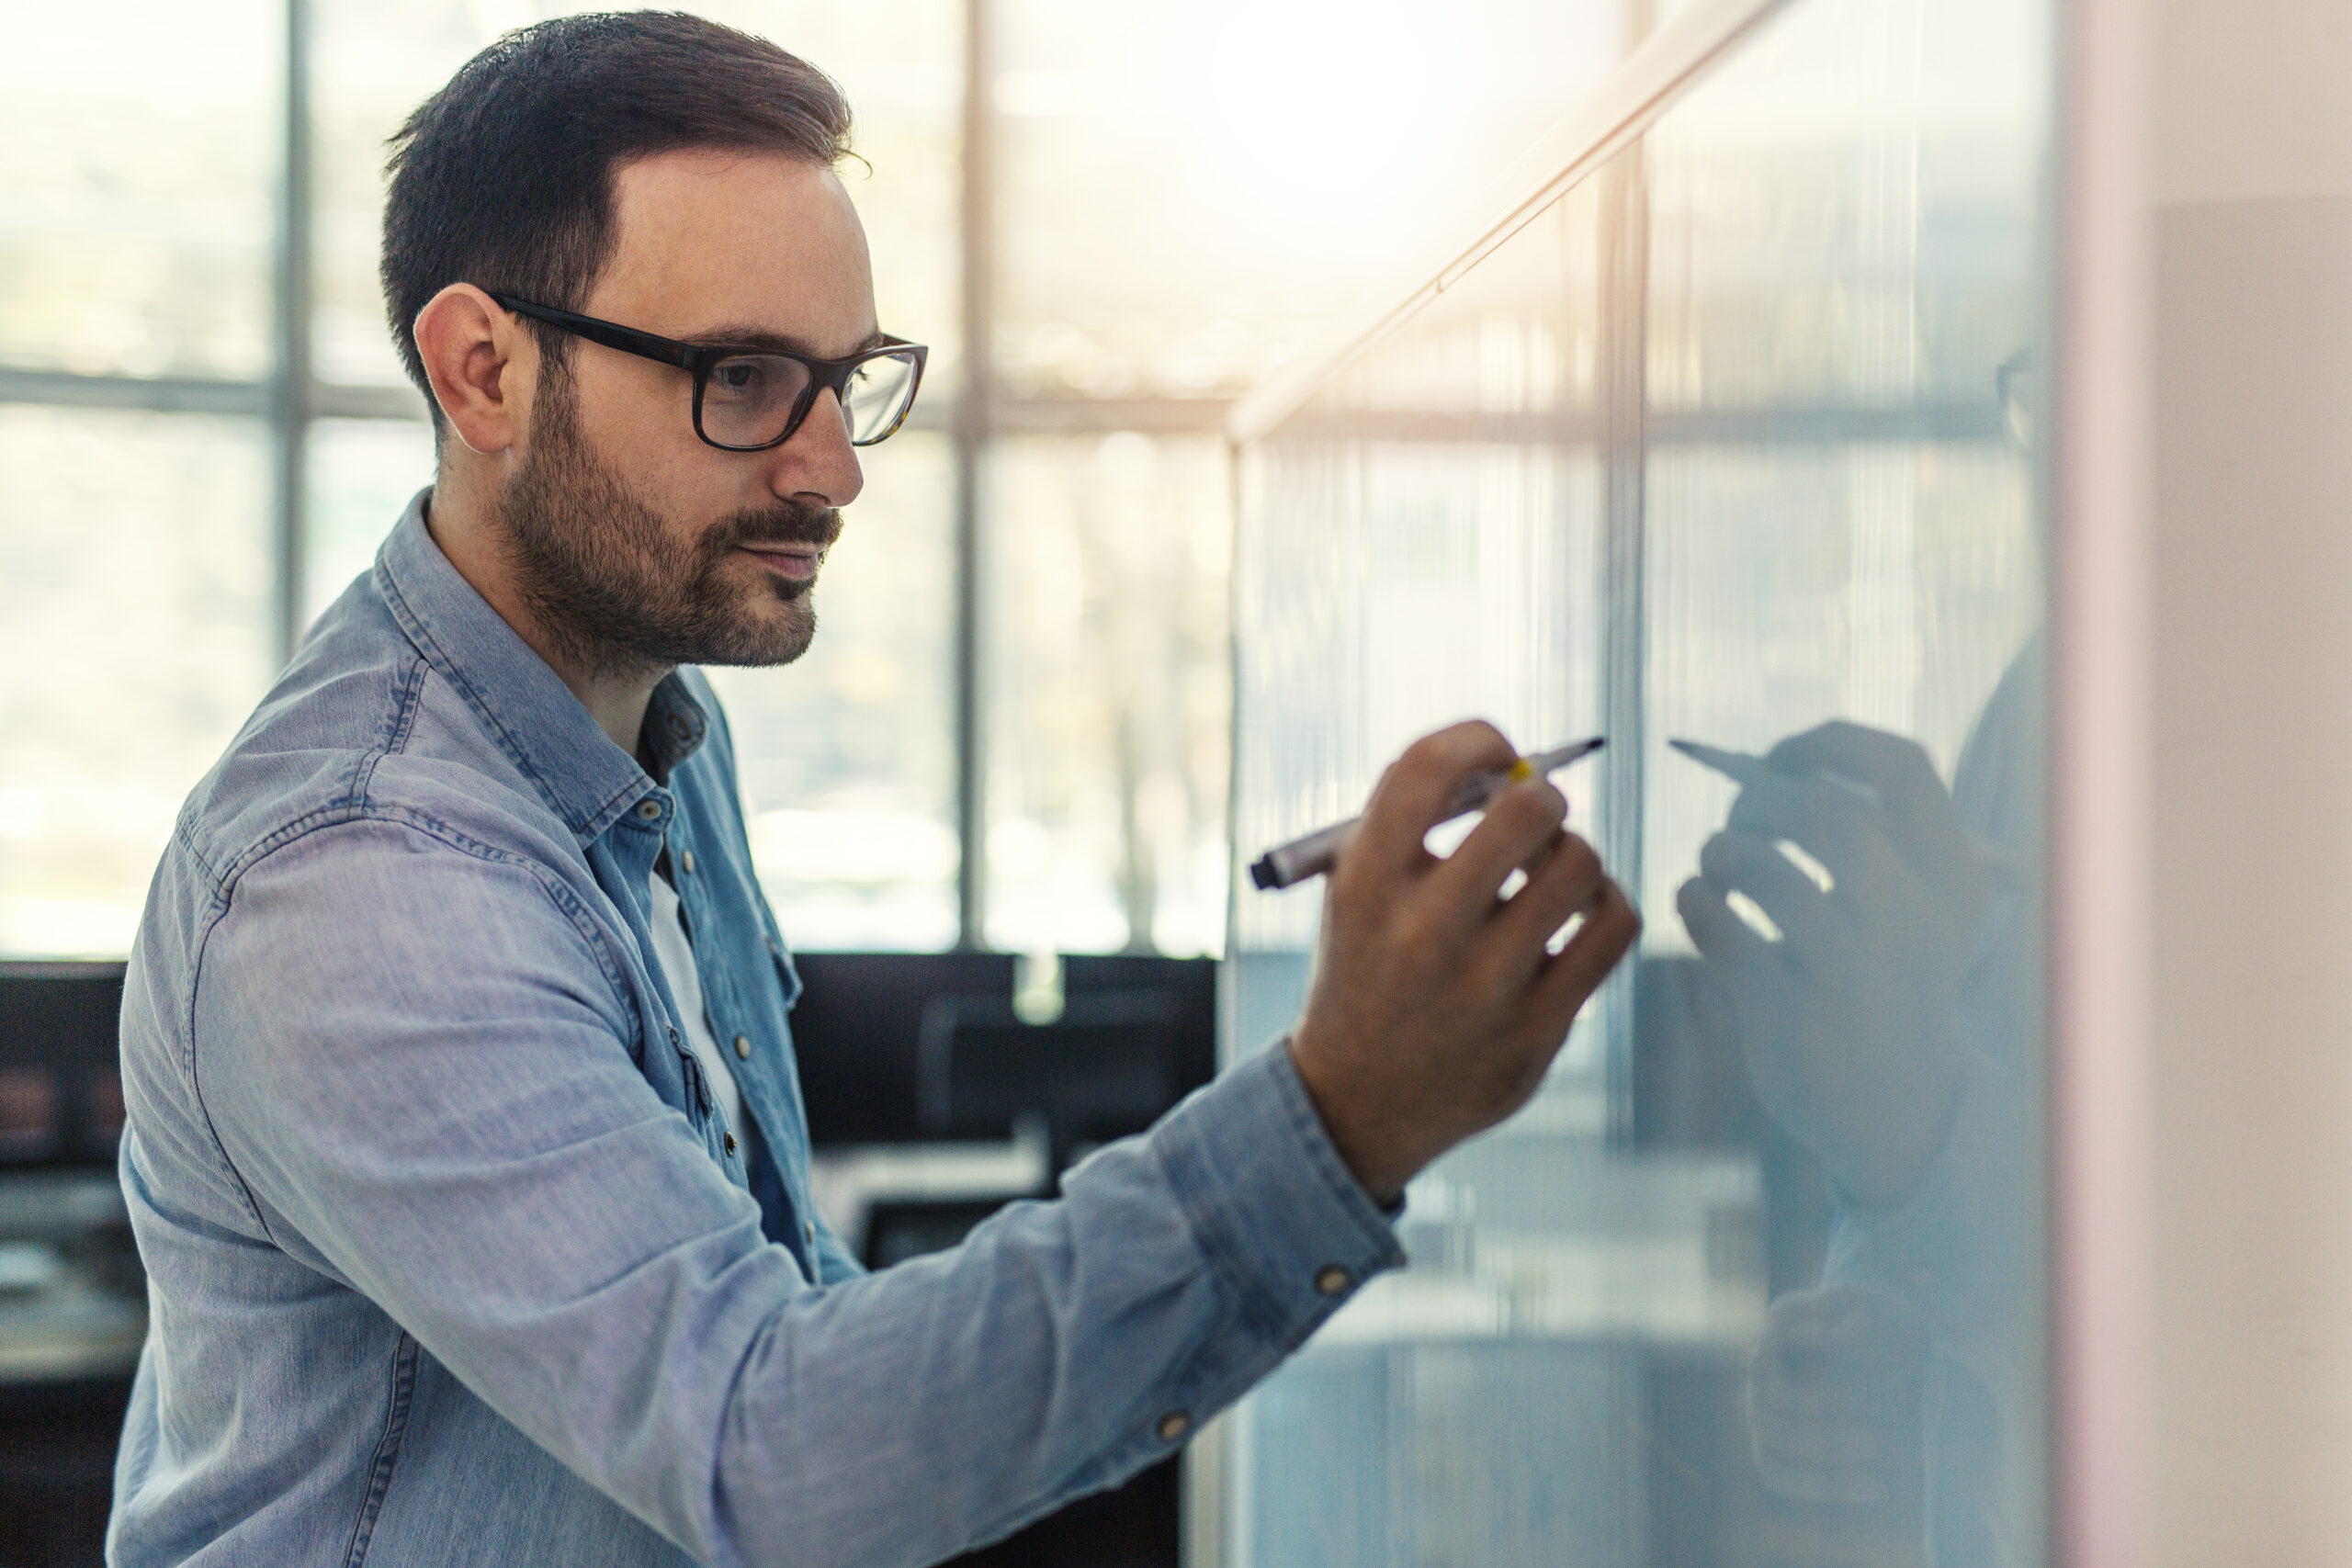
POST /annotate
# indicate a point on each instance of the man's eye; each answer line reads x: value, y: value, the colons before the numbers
x: 739, y: 376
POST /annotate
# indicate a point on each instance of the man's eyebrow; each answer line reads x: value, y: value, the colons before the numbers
x: 743, y: 335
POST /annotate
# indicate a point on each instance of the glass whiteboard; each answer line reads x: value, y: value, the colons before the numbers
x: 1732, y: 443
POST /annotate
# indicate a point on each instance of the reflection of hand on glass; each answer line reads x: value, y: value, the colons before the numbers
x: 1837, y: 1390
x: 1846, y: 1019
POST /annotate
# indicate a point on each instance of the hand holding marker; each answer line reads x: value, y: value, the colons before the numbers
x: 1288, y: 865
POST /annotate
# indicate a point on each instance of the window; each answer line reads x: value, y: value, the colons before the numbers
x: 134, y: 514
x: 1717, y: 447
x: 208, y: 433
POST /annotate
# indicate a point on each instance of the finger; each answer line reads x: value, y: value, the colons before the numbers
x: 1521, y: 822
x: 1847, y: 836
x: 1721, y: 937
x: 1563, y: 882
x: 1896, y: 767
x: 1825, y: 819
x: 1412, y: 796
x: 1912, y: 796
x: 1542, y: 854
x: 1757, y: 867
x: 1567, y: 978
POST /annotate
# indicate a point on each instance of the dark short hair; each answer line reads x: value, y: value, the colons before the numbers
x: 504, y: 178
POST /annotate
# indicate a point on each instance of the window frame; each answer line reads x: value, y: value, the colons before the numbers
x: 973, y: 411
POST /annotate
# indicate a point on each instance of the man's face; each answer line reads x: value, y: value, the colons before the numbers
x: 636, y: 544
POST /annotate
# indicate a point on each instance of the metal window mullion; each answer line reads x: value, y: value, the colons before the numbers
x: 1624, y: 238
x: 289, y: 399
x: 976, y: 240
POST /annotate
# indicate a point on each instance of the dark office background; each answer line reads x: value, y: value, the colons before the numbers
x: 898, y: 1051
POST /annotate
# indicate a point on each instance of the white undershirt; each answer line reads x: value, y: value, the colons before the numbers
x: 677, y: 957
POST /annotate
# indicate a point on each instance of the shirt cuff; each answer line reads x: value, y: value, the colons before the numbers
x: 1274, y: 1209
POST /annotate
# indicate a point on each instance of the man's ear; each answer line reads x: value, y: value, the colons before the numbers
x: 481, y: 364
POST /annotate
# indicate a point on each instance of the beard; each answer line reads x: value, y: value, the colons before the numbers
x: 606, y: 578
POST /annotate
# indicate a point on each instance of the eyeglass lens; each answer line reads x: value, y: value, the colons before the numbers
x: 878, y: 395
x: 749, y: 398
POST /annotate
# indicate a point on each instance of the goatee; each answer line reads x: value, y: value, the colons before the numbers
x: 606, y: 578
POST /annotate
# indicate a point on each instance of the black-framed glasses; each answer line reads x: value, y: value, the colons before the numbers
x: 748, y: 399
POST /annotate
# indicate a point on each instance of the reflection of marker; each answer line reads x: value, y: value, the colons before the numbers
x: 1998, y: 861
x: 1293, y: 863
x: 1743, y: 769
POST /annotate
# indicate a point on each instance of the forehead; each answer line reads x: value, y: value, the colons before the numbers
x: 710, y: 239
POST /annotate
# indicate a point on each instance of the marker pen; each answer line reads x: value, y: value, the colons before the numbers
x: 1288, y: 865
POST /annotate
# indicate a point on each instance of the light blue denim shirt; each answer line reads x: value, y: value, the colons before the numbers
x: 449, y: 1257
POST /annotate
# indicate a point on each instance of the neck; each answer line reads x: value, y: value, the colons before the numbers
x: 616, y: 696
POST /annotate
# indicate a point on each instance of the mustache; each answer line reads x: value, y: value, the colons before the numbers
x: 787, y: 523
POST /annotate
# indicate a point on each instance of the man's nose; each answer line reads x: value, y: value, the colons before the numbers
x: 819, y: 461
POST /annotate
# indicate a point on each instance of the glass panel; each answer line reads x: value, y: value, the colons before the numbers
x: 1420, y: 545
x: 134, y: 582
x: 847, y: 757
x: 1844, y: 215
x: 1189, y: 192
x: 901, y: 64
x: 1756, y: 1279
x: 1108, y: 693
x: 1892, y: 583
x: 137, y: 162
x: 363, y: 473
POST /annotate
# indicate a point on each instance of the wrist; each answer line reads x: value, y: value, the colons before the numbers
x: 1886, y: 1171
x: 1348, y: 1127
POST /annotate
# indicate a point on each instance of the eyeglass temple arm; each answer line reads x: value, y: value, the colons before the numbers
x: 626, y: 339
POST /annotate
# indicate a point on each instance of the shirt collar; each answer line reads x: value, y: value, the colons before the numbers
x: 522, y: 703
x: 675, y: 725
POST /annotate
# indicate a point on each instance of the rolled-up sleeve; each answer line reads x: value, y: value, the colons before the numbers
x: 416, y: 1055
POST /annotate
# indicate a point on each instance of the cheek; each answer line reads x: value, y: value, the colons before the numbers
x: 638, y: 417
x: 643, y: 436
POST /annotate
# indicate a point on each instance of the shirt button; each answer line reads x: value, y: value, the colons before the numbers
x: 730, y: 1143
x: 743, y: 1048
x: 1331, y: 1279
x: 686, y: 858
x: 649, y: 810
x: 808, y: 1229
x: 1174, y: 1425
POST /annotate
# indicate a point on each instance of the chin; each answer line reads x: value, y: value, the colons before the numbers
x: 774, y: 633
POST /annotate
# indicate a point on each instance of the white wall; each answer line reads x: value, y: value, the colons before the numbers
x: 2250, y: 1238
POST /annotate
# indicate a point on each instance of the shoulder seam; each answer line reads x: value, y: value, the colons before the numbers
x: 184, y: 834
x: 557, y: 893
x: 410, y: 699
x: 430, y: 652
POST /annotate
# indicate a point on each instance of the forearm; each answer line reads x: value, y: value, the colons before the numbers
x: 1065, y: 1346
x: 1962, y: 1245
x: 483, y: 1161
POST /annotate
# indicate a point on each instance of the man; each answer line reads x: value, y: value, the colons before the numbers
x: 464, y: 1151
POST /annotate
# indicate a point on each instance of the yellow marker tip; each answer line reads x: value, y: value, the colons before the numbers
x: 1522, y: 770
